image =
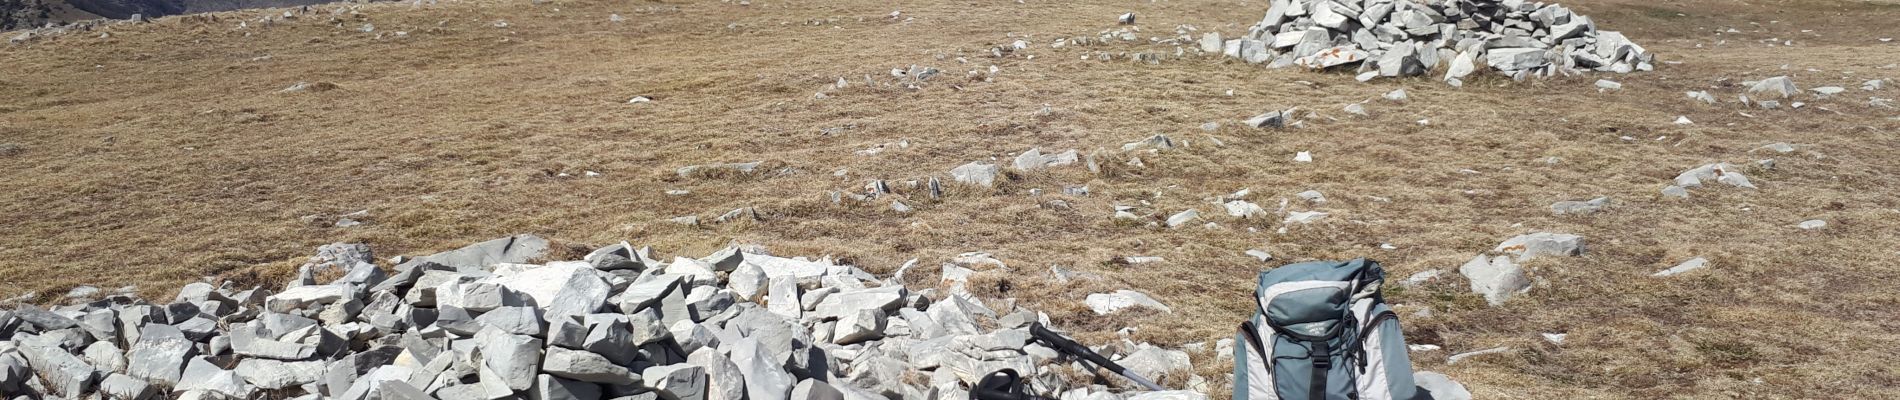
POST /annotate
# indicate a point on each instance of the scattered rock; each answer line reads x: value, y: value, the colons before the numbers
x: 1702, y: 96
x: 1719, y: 172
x: 1183, y: 218
x: 1105, y: 303
x: 1455, y: 358
x: 1271, y: 119
x: 1529, y: 246
x: 1684, y: 267
x: 1812, y: 224
x: 1497, y: 278
x: 1579, y: 207
x: 976, y: 173
x: 1778, y: 87
x: 1303, y: 217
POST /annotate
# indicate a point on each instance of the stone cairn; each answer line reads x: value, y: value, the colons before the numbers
x: 1393, y: 38
x: 481, y: 323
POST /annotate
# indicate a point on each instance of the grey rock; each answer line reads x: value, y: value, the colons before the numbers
x: 1579, y: 207
x: 274, y: 374
x: 765, y: 378
x: 677, y: 381
x: 478, y: 297
x: 865, y: 324
x: 1157, y: 363
x: 648, y: 327
x: 105, y: 356
x: 250, y: 340
x: 1440, y: 386
x: 1105, y: 303
x: 1675, y: 192
x: 723, y: 379
x: 44, y: 320
x: 1718, y: 172
x: 1304, y: 217
x: 1702, y: 96
x: 887, y: 298
x: 1183, y: 218
x: 1211, y: 42
x: 515, y: 320
x: 1455, y: 358
x: 1497, y: 278
x: 1528, y: 246
x: 611, y: 335
x: 510, y: 360
x: 692, y: 336
x: 304, y: 297
x: 201, y: 374
x: 125, y: 387
x: 562, y: 288
x: 586, y: 367
x: 783, y: 297
x: 663, y: 293
x: 1516, y: 59
x: 748, y: 282
x: 475, y: 257
x: 1271, y: 119
x: 1686, y: 266
x: 1778, y: 87
x: 63, y: 373
x: 619, y: 257
x: 160, y: 354
x: 813, y: 389
x: 548, y: 387
x: 977, y: 173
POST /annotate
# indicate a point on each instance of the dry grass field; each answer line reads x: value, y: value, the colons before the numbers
x: 166, y: 153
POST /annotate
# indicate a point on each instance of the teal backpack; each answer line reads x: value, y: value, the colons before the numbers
x: 1322, y: 331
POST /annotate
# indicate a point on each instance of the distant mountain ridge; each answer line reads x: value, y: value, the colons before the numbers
x: 23, y: 14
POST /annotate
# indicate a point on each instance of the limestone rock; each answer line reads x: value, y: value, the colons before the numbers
x: 1533, y: 245
x: 976, y: 173
x: 1777, y: 87
x: 1105, y: 303
x: 1684, y: 267
x: 1497, y: 278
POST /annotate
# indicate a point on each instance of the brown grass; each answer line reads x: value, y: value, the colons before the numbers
x: 166, y: 153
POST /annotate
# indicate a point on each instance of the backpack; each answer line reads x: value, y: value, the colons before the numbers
x: 1322, y: 331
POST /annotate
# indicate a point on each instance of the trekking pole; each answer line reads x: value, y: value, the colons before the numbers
x: 1070, y: 347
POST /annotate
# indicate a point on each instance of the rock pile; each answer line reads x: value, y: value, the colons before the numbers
x: 1392, y: 38
x: 477, y: 323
